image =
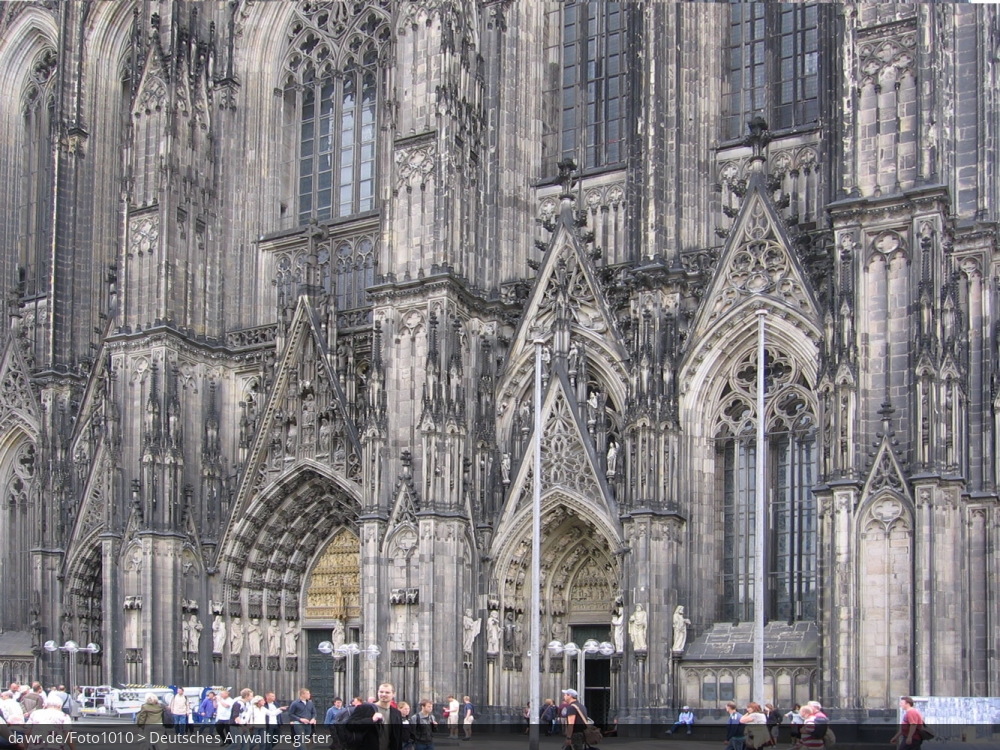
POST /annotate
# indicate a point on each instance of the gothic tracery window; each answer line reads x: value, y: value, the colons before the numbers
x: 593, y: 83
x: 773, y: 65
x: 331, y: 99
x: 38, y: 107
x: 790, y: 474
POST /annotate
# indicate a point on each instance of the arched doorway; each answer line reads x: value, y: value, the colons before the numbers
x: 580, y: 586
x: 332, y: 612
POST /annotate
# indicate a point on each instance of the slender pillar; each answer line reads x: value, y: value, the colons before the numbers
x: 759, y: 525
x: 536, y: 568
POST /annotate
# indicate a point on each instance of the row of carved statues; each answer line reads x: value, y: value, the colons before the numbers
x: 510, y: 633
x: 254, y: 637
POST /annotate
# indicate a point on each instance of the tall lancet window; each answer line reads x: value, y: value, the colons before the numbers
x: 593, y: 83
x: 790, y: 474
x: 331, y: 100
x: 35, y: 190
x: 773, y: 65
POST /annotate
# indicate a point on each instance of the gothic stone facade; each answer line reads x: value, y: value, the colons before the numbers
x: 274, y: 271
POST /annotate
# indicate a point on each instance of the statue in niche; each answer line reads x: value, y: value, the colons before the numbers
x: 612, y: 458
x: 493, y: 632
x: 273, y: 639
x: 218, y: 634
x: 618, y: 629
x: 519, y: 635
x: 558, y: 630
x: 337, y: 634
x: 508, y: 632
x: 505, y: 468
x: 680, y: 629
x: 255, y: 637
x: 236, y: 636
x: 470, y: 630
x: 573, y: 357
x: 291, y: 639
x: 192, y: 634
x: 637, y: 625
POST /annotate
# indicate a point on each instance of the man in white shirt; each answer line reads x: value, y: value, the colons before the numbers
x: 223, y: 716
x: 181, y: 711
x: 10, y: 708
x: 272, y: 721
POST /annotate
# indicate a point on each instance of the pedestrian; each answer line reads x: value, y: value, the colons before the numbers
x: 526, y: 715
x: 10, y: 709
x: 549, y: 716
x: 773, y: 722
x: 31, y: 701
x: 735, y: 738
x: 223, y: 717
x: 302, y: 714
x: 795, y: 723
x: 684, y: 719
x: 57, y: 734
x: 911, y: 731
x: 757, y: 735
x: 150, y: 715
x: 206, y: 711
x: 272, y: 720
x: 378, y: 725
x: 336, y: 709
x: 180, y: 710
x: 241, y: 710
x: 811, y: 733
x: 468, y: 716
x: 404, y: 711
x: 451, y: 711
x: 576, y: 719
x: 423, y: 725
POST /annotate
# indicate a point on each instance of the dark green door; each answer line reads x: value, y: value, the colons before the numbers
x: 320, y: 671
x: 596, y: 673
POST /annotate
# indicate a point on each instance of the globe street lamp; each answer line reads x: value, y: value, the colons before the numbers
x: 349, y: 649
x: 72, y: 648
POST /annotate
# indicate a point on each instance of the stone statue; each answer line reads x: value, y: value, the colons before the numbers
x: 236, y: 636
x: 505, y: 468
x: 493, y: 633
x: 637, y: 624
x: 194, y: 628
x: 291, y: 639
x: 618, y: 629
x: 337, y: 636
x: 470, y: 630
x: 255, y: 637
x: 612, y: 458
x: 558, y: 630
x: 273, y: 639
x: 508, y: 632
x: 519, y: 635
x: 218, y: 634
x: 680, y: 629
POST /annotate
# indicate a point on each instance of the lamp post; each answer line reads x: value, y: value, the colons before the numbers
x: 72, y: 648
x: 535, y: 683
x: 589, y: 646
x: 349, y: 649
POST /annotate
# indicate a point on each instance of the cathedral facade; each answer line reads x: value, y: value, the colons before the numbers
x: 242, y: 413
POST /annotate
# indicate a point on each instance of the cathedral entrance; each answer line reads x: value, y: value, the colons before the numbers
x: 580, y: 583
x: 332, y: 612
x: 595, y: 682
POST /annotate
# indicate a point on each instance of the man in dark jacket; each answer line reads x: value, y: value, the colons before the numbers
x: 377, y: 726
x: 302, y: 714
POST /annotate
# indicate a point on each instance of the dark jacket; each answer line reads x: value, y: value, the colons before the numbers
x: 577, y: 709
x: 422, y: 727
x: 361, y: 719
x: 733, y: 727
x: 149, y: 714
x: 300, y: 710
x: 30, y: 701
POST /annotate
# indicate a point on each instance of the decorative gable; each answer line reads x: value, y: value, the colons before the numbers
x: 18, y: 402
x: 306, y: 417
x: 758, y: 261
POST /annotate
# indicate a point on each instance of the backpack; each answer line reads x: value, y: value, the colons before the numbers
x: 821, y: 724
x: 348, y: 736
